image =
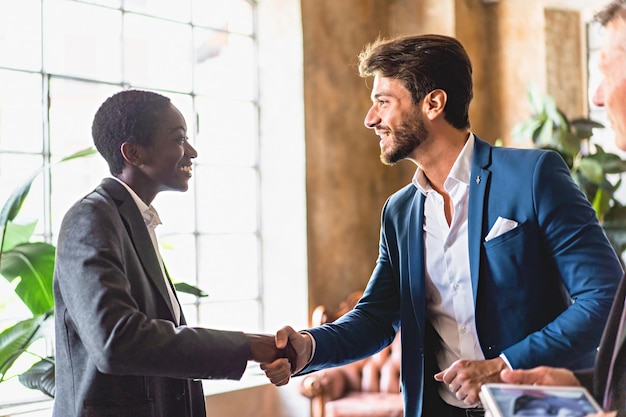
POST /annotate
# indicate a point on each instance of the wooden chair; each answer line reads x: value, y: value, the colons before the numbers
x: 367, y: 388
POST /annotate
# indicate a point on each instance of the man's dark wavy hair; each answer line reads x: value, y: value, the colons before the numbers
x: 424, y: 63
x: 128, y: 116
x: 611, y: 11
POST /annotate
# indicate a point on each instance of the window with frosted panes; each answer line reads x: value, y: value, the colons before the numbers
x: 60, y: 59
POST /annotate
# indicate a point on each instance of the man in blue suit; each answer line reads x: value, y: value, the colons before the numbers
x: 491, y: 258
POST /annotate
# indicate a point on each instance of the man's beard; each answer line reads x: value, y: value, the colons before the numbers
x: 406, y: 138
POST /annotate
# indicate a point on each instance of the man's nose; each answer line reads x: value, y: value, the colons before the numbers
x: 598, y: 96
x: 371, y: 118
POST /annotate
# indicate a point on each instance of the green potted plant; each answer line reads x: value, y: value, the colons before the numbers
x: 29, y: 266
x: 549, y: 128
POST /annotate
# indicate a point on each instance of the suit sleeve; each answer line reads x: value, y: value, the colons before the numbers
x: 583, y: 259
x: 373, y: 322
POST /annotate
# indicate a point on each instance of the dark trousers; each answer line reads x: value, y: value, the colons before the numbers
x: 451, y: 411
x: 434, y: 406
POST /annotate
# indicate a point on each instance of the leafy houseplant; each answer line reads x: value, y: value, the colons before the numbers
x: 29, y: 266
x: 549, y: 128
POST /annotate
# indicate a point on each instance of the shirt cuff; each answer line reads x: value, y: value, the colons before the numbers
x: 313, y: 344
x: 503, y: 356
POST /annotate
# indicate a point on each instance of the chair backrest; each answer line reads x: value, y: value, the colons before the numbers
x: 321, y: 314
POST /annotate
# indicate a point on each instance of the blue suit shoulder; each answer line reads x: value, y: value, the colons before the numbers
x: 487, y: 155
x: 400, y: 200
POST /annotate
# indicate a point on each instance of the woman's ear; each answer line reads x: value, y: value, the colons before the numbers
x: 132, y: 154
x: 435, y: 103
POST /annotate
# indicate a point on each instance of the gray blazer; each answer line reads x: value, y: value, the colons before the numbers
x: 118, y: 351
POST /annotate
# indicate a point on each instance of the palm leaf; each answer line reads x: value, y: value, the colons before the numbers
x: 591, y: 169
x: 16, y: 339
x: 190, y: 289
x: 525, y: 130
x: 80, y: 154
x: 16, y: 234
x: 601, y: 203
x: 610, y: 162
x: 14, y: 204
x: 33, y: 263
x: 585, y: 126
x: 535, y: 99
x: 40, y: 376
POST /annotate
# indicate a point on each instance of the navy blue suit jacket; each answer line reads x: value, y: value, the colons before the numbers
x: 524, y: 281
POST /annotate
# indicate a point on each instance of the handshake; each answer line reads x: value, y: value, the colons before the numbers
x: 282, y: 355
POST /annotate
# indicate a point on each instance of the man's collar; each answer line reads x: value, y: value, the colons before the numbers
x: 461, y: 169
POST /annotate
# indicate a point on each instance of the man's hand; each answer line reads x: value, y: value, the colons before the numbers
x: 278, y: 372
x: 263, y: 348
x: 465, y: 377
x: 298, y: 347
x: 292, y: 351
x: 541, y: 375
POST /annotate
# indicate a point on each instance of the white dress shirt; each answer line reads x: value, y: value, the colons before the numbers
x: 449, y: 300
x: 152, y: 220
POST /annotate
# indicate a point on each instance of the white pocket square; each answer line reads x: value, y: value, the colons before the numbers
x: 500, y: 227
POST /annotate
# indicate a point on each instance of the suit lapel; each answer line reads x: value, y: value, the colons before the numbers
x: 478, y: 188
x: 138, y: 232
x: 479, y: 179
x: 169, y: 280
x: 417, y: 269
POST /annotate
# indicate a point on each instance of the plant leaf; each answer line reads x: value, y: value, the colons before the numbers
x: 601, y: 203
x: 80, y: 154
x: 40, y: 376
x: 535, y: 99
x: 13, y: 205
x: 582, y: 123
x: 524, y: 130
x: 16, y: 339
x: 16, y: 234
x: 613, y: 164
x: 190, y: 289
x: 569, y: 142
x: 615, y: 218
x: 34, y: 264
x: 544, y: 137
x: 591, y: 170
x: 551, y: 110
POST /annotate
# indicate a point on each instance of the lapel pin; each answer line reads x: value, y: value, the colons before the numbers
x: 478, y: 179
